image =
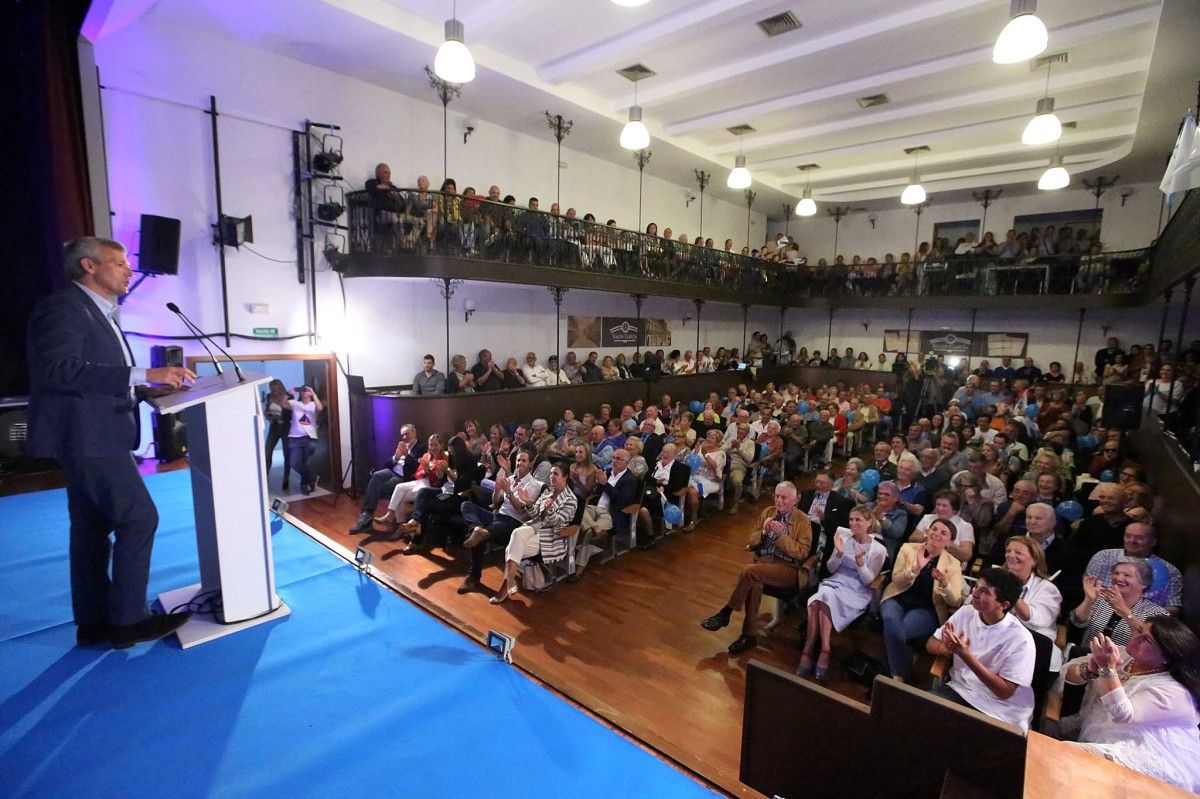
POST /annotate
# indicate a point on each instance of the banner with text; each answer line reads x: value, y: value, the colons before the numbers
x: 616, y: 332
x: 980, y: 344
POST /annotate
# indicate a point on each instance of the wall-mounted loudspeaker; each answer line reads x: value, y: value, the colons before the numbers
x: 158, y: 245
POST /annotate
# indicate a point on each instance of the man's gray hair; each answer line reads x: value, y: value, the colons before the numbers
x: 75, y: 250
x: 540, y: 424
x: 789, y: 485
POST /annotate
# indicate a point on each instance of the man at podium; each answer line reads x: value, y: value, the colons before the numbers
x: 84, y: 390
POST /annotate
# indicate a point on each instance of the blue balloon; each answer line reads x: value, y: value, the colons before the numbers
x: 699, y: 488
x: 849, y: 415
x: 1086, y: 442
x: 764, y: 450
x: 696, y: 406
x: 694, y: 461
x: 870, y: 479
x: 802, y: 406
x: 1031, y: 410
x: 1070, y: 510
x: 672, y: 514
x: 1108, y: 476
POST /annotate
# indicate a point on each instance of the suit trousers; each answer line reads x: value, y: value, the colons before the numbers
x: 747, y: 594
x: 379, y: 486
x: 498, y: 525
x: 106, y: 495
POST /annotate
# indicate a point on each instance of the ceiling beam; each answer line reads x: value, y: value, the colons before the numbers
x: 1027, y: 172
x: 919, y: 15
x: 1065, y: 36
x: 1031, y: 88
x: 1080, y: 112
x: 904, y: 165
x: 593, y: 57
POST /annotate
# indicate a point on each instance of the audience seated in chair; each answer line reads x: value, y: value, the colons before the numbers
x: 549, y: 514
x: 780, y: 541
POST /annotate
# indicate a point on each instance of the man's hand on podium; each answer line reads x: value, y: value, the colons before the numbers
x: 172, y: 376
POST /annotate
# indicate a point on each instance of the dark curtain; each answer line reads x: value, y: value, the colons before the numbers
x: 47, y: 197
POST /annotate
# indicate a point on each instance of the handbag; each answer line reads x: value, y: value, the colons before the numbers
x: 862, y: 668
x: 533, y: 576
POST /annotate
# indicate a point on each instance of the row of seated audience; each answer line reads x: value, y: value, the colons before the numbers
x: 1006, y: 512
x: 471, y: 225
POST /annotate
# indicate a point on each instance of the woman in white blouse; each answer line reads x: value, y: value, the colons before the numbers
x: 1140, y: 706
x: 1040, y: 600
x: 846, y: 593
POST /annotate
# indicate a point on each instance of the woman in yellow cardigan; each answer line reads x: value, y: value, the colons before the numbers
x: 926, y: 587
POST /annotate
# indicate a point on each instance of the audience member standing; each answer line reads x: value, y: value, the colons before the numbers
x: 278, y: 410
x: 302, y: 436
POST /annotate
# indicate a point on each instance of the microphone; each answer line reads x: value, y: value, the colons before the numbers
x: 173, y: 308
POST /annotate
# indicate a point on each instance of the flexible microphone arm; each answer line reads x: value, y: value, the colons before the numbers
x: 173, y: 308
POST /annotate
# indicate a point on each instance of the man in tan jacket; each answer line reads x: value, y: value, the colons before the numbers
x: 781, y: 542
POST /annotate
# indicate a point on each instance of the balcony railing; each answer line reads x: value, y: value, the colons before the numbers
x: 411, y: 222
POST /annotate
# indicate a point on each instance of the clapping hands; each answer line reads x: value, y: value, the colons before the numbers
x: 955, y: 641
x: 1105, y: 652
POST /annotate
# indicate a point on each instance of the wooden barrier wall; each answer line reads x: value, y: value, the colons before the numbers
x: 1176, y: 505
x: 377, y: 417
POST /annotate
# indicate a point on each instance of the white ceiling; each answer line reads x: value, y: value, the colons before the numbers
x: 715, y: 69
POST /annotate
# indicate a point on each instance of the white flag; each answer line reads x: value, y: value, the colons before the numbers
x: 1183, y: 170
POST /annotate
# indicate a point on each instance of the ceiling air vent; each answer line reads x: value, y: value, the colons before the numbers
x: 741, y: 130
x: 924, y: 148
x: 1070, y: 125
x: 780, y: 23
x: 872, y: 100
x: 1053, y: 58
x: 806, y: 167
x: 636, y: 72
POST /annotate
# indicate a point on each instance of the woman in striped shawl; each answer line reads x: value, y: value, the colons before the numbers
x: 552, y: 512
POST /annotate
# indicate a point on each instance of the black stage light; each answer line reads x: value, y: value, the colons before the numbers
x: 332, y: 204
x: 330, y: 156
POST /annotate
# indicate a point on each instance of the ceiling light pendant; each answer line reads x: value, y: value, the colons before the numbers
x: 807, y: 206
x: 1056, y: 177
x: 1023, y: 37
x: 630, y: 3
x: 914, y: 192
x: 739, y: 176
x: 635, y: 135
x: 1045, y: 127
x: 453, y: 62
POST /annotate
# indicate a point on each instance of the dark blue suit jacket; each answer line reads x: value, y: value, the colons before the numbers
x: 622, y: 495
x: 79, y: 404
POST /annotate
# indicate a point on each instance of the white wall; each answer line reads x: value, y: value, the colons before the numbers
x: 1132, y: 226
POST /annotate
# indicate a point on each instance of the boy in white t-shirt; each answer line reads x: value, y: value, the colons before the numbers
x: 993, y: 653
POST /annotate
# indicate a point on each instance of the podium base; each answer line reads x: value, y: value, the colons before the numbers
x: 203, y: 627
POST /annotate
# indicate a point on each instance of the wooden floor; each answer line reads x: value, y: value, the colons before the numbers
x: 625, y: 641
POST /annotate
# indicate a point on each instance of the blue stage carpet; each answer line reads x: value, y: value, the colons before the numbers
x: 356, y: 692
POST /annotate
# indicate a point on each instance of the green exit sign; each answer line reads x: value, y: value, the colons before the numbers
x: 267, y: 332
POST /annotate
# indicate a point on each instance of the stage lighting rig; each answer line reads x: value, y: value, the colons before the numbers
x: 330, y: 156
x: 332, y: 205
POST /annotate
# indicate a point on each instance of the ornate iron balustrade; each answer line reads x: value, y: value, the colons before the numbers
x: 410, y: 222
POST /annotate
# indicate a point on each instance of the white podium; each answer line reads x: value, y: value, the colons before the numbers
x: 229, y: 490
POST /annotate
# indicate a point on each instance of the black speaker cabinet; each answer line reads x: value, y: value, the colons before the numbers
x: 158, y: 245
x: 1123, y: 406
x: 170, y: 433
x: 161, y: 356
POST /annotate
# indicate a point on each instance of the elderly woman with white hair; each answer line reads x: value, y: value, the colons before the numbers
x: 1118, y: 612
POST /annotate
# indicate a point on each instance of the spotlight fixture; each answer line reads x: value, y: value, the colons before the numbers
x: 806, y: 206
x: 330, y: 156
x: 1056, y: 177
x: 338, y: 261
x: 739, y: 177
x: 635, y: 135
x: 453, y: 62
x: 1023, y: 37
x: 332, y: 204
x: 914, y: 192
